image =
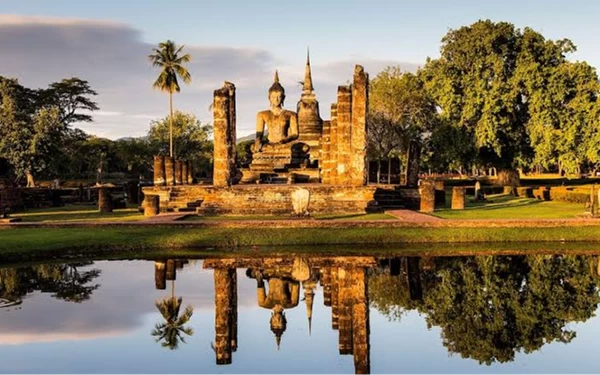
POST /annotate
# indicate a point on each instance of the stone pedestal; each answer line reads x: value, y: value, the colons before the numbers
x: 427, y: 192
x: 104, y: 201
x: 151, y: 205
x: 169, y: 171
x: 159, y: 171
x: 458, y: 198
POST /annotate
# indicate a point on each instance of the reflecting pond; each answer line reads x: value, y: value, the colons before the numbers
x: 312, y: 314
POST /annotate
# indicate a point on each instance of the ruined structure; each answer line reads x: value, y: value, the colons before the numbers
x: 328, y: 158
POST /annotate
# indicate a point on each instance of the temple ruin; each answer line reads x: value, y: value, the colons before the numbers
x: 291, y: 150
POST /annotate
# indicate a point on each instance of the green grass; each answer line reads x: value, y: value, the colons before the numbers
x: 73, y: 213
x: 20, y: 244
x: 342, y: 217
x: 510, y: 207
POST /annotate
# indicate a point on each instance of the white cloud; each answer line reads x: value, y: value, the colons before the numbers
x: 114, y: 59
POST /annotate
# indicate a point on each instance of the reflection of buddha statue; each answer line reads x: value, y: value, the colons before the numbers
x: 283, y: 293
x: 282, y: 124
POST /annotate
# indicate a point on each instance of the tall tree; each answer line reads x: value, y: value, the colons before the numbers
x: 168, y: 57
x: 191, y: 138
x: 488, y: 83
x: 400, y: 111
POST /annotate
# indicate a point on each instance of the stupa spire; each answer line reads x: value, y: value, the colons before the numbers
x: 308, y: 85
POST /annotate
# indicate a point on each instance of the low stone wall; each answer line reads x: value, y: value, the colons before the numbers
x: 265, y: 199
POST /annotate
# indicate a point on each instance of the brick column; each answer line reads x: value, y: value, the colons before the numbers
x: 178, y: 172
x: 160, y: 275
x: 360, y: 323
x: 325, y: 163
x: 224, y: 131
x: 170, y: 170
x: 345, y: 301
x: 333, y: 146
x: 225, y: 314
x: 344, y: 135
x: 360, y: 99
x: 184, y: 172
x: 104, y: 201
x: 159, y: 171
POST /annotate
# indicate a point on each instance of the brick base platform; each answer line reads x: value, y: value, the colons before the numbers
x: 263, y: 199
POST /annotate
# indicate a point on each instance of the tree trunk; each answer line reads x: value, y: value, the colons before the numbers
x: 378, y: 171
x: 30, y: 179
x: 389, y: 171
x: 171, y: 124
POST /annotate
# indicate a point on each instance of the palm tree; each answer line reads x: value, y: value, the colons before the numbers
x: 167, y: 58
x: 173, y: 328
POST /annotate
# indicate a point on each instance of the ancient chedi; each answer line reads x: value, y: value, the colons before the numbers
x: 301, y: 147
x: 292, y: 150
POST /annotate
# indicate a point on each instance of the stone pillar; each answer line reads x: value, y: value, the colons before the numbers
x: 190, y: 171
x: 171, y: 270
x: 224, y: 130
x: 159, y: 171
x: 427, y: 192
x: 160, y: 275
x: 326, y: 284
x: 151, y: 205
x: 333, y: 146
x: 412, y: 164
x: 360, y: 99
x: 325, y: 163
x: 169, y: 171
x: 225, y: 314
x: 458, y: 198
x: 184, y: 172
x: 231, y: 131
x: 360, y: 323
x: 334, y: 298
x: 344, y: 135
x: 104, y: 201
x: 345, y: 301
x: 178, y: 172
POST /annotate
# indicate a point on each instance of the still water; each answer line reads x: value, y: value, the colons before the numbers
x: 455, y: 314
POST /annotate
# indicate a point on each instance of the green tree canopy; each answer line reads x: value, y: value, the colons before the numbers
x: 502, y: 87
x: 191, y: 138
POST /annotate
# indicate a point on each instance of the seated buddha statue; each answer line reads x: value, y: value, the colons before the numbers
x: 282, y: 126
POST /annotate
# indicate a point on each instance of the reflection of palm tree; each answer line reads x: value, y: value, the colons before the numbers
x: 173, y: 328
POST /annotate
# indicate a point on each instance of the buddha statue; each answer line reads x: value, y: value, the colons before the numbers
x: 282, y: 125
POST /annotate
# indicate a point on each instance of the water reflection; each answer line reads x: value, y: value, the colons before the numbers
x: 487, y: 308
x: 170, y: 332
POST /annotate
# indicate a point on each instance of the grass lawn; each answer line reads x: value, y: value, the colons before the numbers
x: 511, y: 207
x: 342, y: 217
x: 72, y: 213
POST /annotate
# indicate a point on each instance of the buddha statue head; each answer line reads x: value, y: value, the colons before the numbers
x: 278, y: 323
x: 276, y: 93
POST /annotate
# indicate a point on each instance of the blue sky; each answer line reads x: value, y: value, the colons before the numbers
x: 244, y: 41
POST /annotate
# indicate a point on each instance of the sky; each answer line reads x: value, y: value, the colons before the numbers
x: 107, y: 43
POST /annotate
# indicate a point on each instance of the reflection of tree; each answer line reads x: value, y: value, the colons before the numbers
x: 173, y: 328
x: 65, y: 281
x: 490, y: 308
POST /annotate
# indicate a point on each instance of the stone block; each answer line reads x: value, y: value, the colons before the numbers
x: 458, y: 197
x: 151, y: 205
x: 427, y: 192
